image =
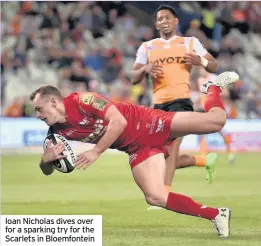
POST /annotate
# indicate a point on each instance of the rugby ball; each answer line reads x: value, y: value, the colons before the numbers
x: 65, y: 165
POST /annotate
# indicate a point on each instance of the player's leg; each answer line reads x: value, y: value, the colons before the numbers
x: 185, y: 123
x: 185, y: 160
x: 203, y: 159
x: 202, y: 140
x: 200, y: 160
x: 227, y: 141
x: 177, y: 161
x: 208, y: 161
x: 173, y: 148
x: 149, y: 176
x: 203, y: 149
x: 174, y: 161
x: 171, y: 163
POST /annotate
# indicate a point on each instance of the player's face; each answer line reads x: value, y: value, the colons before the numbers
x: 166, y: 22
x: 46, y: 109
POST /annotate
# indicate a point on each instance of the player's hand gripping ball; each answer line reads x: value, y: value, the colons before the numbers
x: 64, y: 163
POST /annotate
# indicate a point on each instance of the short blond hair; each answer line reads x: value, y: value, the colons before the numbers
x: 46, y: 90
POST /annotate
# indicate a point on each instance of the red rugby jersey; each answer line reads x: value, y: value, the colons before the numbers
x: 85, y: 122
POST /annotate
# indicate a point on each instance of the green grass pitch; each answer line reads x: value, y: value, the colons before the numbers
x: 107, y: 188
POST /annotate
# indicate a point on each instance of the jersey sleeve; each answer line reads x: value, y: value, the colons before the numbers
x: 94, y: 104
x: 199, y: 48
x: 141, y: 55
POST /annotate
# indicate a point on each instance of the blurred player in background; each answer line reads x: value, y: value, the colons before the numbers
x: 204, y: 77
x: 169, y: 60
x: 139, y: 131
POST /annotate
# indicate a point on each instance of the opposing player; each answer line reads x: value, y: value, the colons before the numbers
x: 139, y: 131
x: 169, y: 60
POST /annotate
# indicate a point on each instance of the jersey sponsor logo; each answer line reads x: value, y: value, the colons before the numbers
x: 169, y: 60
x: 132, y: 158
x: 100, y: 104
x: 87, y: 98
x: 160, y: 126
x: 84, y: 122
x: 98, y: 131
x: 138, y: 126
x: 152, y: 125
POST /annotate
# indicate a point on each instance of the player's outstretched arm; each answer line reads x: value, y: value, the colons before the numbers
x: 116, y: 126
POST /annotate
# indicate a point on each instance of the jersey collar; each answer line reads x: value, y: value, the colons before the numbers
x: 66, y: 103
x: 168, y: 40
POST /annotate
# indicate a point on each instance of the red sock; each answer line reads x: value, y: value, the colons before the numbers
x: 214, y: 89
x: 213, y: 98
x: 185, y: 205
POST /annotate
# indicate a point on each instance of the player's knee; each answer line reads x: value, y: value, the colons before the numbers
x: 218, y: 122
x: 221, y: 123
x: 217, y: 126
x: 155, y: 199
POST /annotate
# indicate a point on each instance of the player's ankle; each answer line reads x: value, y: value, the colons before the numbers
x: 213, y: 101
x: 200, y: 160
x: 214, y: 89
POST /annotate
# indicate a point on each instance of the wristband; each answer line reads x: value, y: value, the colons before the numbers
x: 204, y: 61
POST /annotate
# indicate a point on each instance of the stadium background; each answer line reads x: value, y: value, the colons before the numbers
x: 92, y: 45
